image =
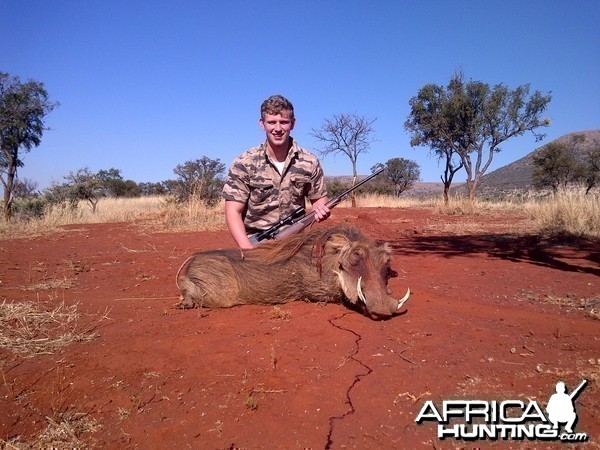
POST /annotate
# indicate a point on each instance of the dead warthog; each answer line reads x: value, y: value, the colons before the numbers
x: 333, y: 265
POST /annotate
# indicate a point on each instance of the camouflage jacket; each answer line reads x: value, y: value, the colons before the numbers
x: 268, y: 195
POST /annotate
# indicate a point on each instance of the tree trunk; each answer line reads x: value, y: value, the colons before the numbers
x: 7, y: 206
x: 8, y: 188
x: 446, y: 194
x: 354, y: 179
x: 471, y: 191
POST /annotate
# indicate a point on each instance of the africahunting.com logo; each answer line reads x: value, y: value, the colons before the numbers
x: 508, y: 419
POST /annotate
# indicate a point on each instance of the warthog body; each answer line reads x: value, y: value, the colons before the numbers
x: 333, y: 265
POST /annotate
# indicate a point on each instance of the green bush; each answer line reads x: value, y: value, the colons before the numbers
x: 29, y: 208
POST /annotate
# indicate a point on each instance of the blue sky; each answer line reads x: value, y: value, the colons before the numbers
x: 146, y: 85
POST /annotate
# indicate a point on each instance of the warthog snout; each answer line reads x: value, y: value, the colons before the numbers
x: 364, y: 271
x: 336, y: 265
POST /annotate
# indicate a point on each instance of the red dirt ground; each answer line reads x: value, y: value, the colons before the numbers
x: 493, y: 316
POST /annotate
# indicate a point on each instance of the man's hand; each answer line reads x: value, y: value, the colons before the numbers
x: 320, y: 209
x: 245, y: 246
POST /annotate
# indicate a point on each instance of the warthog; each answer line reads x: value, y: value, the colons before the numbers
x: 336, y: 265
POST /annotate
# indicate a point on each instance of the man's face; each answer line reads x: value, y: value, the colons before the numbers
x: 278, y: 128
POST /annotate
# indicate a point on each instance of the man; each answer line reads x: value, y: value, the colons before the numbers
x: 267, y: 183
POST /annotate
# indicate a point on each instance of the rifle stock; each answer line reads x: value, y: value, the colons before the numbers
x: 295, y: 226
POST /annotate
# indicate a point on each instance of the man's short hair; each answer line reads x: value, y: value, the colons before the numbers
x: 275, y: 104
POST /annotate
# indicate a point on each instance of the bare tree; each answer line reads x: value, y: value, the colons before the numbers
x: 349, y: 134
x: 25, y: 188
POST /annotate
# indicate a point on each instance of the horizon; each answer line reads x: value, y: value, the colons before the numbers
x: 145, y: 86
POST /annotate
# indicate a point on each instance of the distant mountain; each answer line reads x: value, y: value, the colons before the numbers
x: 517, y: 175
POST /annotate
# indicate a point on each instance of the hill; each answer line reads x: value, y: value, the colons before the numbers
x: 517, y: 175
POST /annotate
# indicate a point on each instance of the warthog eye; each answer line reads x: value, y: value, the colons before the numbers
x: 355, y: 258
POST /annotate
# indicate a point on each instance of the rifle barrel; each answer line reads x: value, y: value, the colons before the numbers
x: 343, y: 195
x: 573, y: 394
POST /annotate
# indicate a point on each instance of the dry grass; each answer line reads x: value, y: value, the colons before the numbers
x: 108, y: 210
x: 157, y: 212
x: 388, y: 201
x: 590, y: 305
x: 29, y: 329
x: 569, y: 213
x: 193, y: 216
x: 57, y: 283
x: 63, y: 433
x: 281, y: 313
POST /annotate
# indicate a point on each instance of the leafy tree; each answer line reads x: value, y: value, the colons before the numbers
x: 401, y: 172
x: 114, y: 184
x: 591, y: 173
x: 58, y: 194
x: 336, y: 187
x: 111, y: 180
x: 200, y: 179
x: 27, y: 201
x: 85, y: 185
x: 349, y: 134
x: 149, y: 188
x: 23, y: 108
x: 554, y: 167
x: 470, y: 120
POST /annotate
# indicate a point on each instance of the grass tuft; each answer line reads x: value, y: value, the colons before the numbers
x: 29, y: 329
x: 570, y: 212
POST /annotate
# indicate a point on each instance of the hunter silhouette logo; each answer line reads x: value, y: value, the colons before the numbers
x: 560, y: 406
x: 508, y: 419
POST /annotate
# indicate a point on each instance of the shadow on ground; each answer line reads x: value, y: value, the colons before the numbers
x: 557, y: 254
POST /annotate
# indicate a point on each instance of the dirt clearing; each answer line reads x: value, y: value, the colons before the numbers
x: 495, y: 314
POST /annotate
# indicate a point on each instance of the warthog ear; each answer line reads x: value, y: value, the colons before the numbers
x: 331, y: 246
x: 336, y: 243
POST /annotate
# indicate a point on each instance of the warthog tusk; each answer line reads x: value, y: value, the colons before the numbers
x: 403, y: 299
x: 359, y: 291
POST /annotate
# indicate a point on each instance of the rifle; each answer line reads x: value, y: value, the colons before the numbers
x: 298, y: 221
x: 574, y: 393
